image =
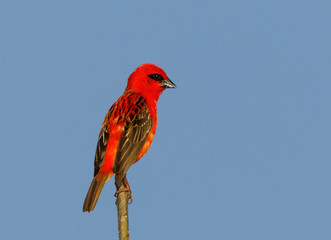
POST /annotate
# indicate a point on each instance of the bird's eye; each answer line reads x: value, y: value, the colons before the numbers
x: 156, y: 77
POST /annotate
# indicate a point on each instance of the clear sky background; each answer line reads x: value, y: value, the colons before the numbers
x: 243, y: 146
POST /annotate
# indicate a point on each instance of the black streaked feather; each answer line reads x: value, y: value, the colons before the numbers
x: 136, y: 129
x: 133, y: 139
x: 101, y: 149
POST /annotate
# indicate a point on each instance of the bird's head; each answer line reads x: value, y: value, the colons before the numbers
x: 149, y: 80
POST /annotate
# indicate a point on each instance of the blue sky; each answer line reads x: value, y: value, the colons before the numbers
x: 242, y: 149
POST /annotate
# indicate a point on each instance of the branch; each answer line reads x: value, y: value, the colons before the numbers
x: 122, y: 215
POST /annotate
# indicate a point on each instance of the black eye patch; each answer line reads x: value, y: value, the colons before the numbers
x: 156, y: 77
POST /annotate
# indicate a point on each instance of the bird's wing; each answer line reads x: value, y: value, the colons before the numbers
x: 102, y: 144
x: 138, y: 123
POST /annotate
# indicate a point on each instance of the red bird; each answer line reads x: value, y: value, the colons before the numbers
x: 128, y: 130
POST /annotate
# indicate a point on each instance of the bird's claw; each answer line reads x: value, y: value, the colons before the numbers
x: 125, y: 189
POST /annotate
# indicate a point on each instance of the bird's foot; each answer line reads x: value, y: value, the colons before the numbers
x: 125, y: 189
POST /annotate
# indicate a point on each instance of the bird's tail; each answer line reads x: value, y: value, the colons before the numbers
x: 94, y: 191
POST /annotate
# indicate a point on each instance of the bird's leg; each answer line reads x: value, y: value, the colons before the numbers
x: 129, y: 190
x: 126, y: 188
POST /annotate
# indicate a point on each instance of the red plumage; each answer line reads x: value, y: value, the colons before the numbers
x: 128, y: 129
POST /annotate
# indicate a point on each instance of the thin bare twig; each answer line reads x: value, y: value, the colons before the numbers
x: 122, y: 215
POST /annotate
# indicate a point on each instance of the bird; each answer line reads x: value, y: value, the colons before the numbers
x: 127, y: 130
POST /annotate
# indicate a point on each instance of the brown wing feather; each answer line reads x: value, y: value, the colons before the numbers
x: 139, y: 123
x: 102, y: 144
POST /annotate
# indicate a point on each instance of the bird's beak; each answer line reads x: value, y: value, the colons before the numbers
x: 167, y: 83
